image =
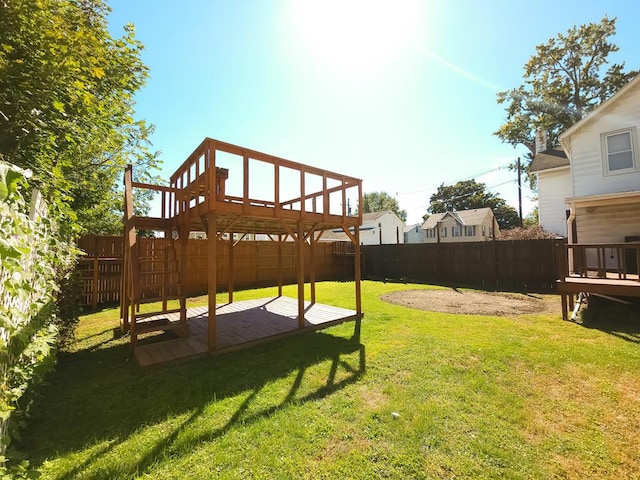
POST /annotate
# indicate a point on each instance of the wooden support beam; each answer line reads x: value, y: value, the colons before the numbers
x: 312, y: 269
x: 230, y: 268
x: 229, y: 227
x: 276, y: 187
x: 239, y: 239
x: 182, y: 275
x: 132, y: 247
x: 245, y: 183
x: 303, y: 198
x: 165, y: 270
x: 357, y: 272
x: 210, y: 164
x: 301, y: 243
x: 325, y: 198
x: 96, y: 268
x: 290, y: 232
x: 351, y: 236
x: 280, y: 240
x: 212, y: 252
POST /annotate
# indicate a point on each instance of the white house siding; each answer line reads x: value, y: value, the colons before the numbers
x: 390, y: 224
x: 449, y: 222
x: 606, y: 224
x: 415, y: 234
x: 586, y: 150
x: 553, y: 187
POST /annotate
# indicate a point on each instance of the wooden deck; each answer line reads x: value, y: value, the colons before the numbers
x: 615, y: 287
x: 239, y: 325
x: 606, y: 269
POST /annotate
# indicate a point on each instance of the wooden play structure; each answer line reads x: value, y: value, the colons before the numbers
x: 229, y: 192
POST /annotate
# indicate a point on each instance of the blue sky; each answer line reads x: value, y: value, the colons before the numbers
x: 401, y: 94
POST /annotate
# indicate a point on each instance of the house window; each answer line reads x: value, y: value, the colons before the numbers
x: 470, y: 231
x: 431, y: 233
x: 618, y: 151
x: 456, y: 231
x: 484, y: 231
x: 443, y: 232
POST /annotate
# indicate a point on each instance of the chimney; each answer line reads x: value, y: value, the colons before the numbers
x: 541, y: 140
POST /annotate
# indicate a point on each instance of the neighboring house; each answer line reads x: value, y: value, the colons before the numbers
x: 377, y: 228
x: 414, y: 234
x: 462, y: 226
x: 600, y: 187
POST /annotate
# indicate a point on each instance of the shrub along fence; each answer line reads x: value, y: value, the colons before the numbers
x: 516, y: 264
x: 31, y: 257
x: 255, y: 265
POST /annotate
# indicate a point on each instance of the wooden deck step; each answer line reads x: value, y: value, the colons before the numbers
x: 158, y: 313
x: 155, y: 299
x: 158, y: 325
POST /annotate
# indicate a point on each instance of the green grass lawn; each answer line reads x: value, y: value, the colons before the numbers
x: 418, y: 395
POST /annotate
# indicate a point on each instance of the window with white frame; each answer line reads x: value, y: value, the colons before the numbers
x: 431, y: 232
x: 456, y: 231
x: 470, y: 231
x: 484, y: 231
x: 618, y: 151
x: 443, y: 232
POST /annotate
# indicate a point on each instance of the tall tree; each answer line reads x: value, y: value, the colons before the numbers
x: 379, y: 201
x: 469, y: 194
x: 565, y: 79
x: 67, y: 108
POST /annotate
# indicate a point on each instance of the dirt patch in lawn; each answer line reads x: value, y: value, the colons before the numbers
x: 473, y: 302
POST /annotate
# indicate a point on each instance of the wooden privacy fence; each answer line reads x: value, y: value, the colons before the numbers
x: 255, y: 264
x: 506, y: 264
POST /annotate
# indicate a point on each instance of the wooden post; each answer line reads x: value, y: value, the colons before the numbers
x: 300, y: 274
x: 165, y: 270
x: 182, y: 275
x: 212, y: 279
x: 280, y: 240
x: 245, y: 184
x: 230, y: 272
x: 96, y: 267
x: 134, y: 258
x: 357, y: 272
x: 312, y: 270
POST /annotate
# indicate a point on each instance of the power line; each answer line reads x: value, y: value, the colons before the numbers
x: 479, y: 174
x: 467, y: 194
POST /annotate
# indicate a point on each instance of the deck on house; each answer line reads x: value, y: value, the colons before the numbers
x: 239, y: 325
x: 608, y: 286
x: 606, y: 269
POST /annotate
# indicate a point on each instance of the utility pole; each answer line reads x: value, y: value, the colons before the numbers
x: 519, y: 192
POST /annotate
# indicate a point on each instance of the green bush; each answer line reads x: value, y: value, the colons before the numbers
x: 31, y: 259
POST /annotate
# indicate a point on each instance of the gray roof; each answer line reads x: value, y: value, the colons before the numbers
x: 408, y: 228
x: 550, y: 158
x: 373, y: 215
x: 463, y: 217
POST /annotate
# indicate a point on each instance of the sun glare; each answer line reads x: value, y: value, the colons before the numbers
x: 357, y: 37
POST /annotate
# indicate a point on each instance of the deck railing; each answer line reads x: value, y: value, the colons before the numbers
x: 599, y: 260
x: 278, y: 184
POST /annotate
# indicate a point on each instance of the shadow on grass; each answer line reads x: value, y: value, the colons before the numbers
x: 99, y: 397
x: 619, y: 320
